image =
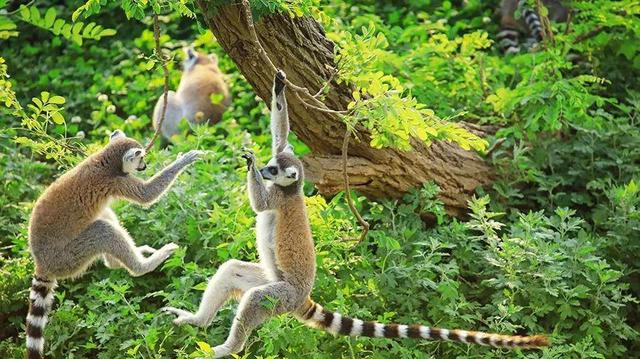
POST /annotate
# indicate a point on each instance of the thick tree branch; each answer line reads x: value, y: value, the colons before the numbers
x: 299, y: 47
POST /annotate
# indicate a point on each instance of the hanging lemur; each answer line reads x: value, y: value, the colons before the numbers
x: 71, y: 224
x: 286, y: 273
x: 201, y: 79
x: 528, y: 23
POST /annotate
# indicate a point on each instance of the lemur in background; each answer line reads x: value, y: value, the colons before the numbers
x: 71, y: 224
x: 528, y: 23
x: 286, y: 273
x: 201, y: 79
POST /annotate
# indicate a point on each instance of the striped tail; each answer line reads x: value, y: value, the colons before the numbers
x: 532, y: 20
x: 509, y: 41
x: 314, y: 315
x: 40, y: 301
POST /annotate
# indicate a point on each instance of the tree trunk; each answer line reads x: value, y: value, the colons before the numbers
x: 299, y: 47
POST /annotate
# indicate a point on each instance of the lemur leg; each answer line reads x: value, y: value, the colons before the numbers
x: 233, y: 277
x: 109, y: 261
x: 257, y: 305
x: 104, y: 238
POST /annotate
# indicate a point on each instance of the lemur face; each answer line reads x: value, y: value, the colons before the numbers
x: 283, y: 170
x: 133, y: 160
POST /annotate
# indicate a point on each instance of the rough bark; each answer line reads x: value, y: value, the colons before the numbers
x: 299, y: 47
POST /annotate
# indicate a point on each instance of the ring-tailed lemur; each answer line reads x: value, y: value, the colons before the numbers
x: 71, y: 224
x: 201, y: 79
x: 283, y: 280
x: 529, y: 23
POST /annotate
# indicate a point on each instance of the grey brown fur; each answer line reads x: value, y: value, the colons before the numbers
x: 72, y: 225
x: 201, y: 78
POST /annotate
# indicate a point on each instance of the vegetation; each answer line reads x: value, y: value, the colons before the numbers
x: 550, y: 247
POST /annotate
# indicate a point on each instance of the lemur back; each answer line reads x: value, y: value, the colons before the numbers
x: 283, y: 280
x: 201, y: 80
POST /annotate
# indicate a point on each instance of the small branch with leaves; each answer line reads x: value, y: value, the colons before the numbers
x: 163, y: 62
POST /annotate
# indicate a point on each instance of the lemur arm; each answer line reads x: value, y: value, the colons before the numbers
x: 260, y: 197
x: 149, y: 191
x: 279, y: 115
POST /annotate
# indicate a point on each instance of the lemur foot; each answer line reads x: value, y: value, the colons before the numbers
x: 220, y: 351
x: 183, y: 316
x: 250, y: 157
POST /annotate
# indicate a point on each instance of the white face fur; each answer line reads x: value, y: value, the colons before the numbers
x: 133, y: 159
x: 282, y: 177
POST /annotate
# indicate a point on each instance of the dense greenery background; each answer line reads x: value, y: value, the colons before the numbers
x: 551, y: 247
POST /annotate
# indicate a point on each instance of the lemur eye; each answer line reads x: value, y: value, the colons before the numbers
x: 273, y: 170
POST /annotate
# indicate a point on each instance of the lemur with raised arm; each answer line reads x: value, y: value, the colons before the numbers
x: 286, y: 273
x: 201, y: 79
x: 528, y: 23
x: 71, y: 224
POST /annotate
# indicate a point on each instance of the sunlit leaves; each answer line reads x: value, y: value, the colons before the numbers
x: 382, y: 105
x: 75, y: 32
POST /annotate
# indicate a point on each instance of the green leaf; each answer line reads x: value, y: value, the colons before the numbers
x: 44, y: 95
x: 107, y: 32
x: 205, y: 348
x: 24, y: 12
x: 57, y: 26
x: 66, y: 30
x: 57, y: 118
x: 58, y: 100
x: 35, y: 15
x: 49, y: 17
x: 87, y: 30
x: 77, y: 27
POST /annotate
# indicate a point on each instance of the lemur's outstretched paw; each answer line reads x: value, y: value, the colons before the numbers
x: 189, y: 157
x: 278, y: 82
x: 250, y: 157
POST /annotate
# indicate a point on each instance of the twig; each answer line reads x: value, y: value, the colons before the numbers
x: 163, y: 63
x: 495, y: 146
x: 567, y: 29
x: 327, y: 83
x: 326, y: 109
x: 590, y: 34
x: 347, y: 191
x: 546, y: 24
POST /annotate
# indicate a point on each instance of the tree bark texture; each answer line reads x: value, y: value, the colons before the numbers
x: 299, y: 47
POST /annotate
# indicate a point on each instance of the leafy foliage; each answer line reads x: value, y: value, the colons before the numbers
x: 76, y: 31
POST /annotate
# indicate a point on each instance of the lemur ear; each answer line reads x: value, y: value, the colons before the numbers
x: 189, y: 52
x: 291, y: 172
x: 116, y: 134
x: 214, y: 59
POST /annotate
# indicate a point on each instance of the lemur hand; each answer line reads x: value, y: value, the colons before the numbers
x: 250, y: 157
x: 189, y: 157
x: 278, y: 82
